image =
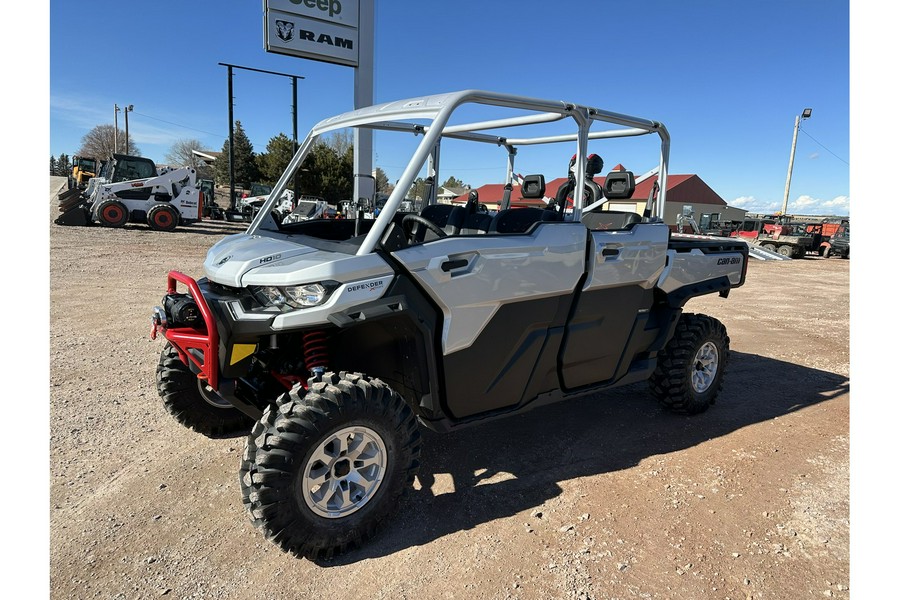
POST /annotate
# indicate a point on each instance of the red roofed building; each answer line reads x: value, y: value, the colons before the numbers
x: 683, y: 191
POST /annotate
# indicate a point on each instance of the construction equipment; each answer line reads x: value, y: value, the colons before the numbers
x: 249, y: 203
x: 128, y: 190
x: 83, y: 168
x: 211, y: 210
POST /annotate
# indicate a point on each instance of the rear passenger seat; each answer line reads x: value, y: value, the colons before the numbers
x: 609, y: 219
x: 520, y: 220
x: 467, y: 220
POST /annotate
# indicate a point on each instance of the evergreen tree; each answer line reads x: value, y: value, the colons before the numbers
x: 453, y: 182
x: 53, y: 165
x: 63, y: 165
x: 328, y: 173
x: 275, y: 159
x: 245, y: 168
x: 382, y: 184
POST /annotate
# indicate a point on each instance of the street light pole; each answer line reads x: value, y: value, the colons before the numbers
x: 787, y: 186
x: 127, y: 110
x: 116, y: 131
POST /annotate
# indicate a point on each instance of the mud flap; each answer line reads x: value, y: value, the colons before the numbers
x: 77, y: 215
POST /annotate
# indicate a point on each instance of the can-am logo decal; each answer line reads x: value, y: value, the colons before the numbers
x: 223, y: 261
x: 284, y: 30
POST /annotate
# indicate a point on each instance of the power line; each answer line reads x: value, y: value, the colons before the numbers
x: 179, y: 125
x: 826, y: 149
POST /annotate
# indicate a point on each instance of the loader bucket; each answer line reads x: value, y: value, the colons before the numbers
x: 77, y: 215
x: 68, y: 194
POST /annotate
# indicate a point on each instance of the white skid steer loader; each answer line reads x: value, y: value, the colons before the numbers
x: 130, y: 191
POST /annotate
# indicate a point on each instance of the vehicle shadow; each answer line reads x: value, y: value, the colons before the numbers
x: 531, y: 453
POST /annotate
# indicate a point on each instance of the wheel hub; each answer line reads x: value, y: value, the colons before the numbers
x: 344, y: 472
x: 705, y: 367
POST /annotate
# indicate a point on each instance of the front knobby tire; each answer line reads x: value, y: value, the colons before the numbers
x: 324, y: 467
x: 690, y: 369
x: 194, y: 404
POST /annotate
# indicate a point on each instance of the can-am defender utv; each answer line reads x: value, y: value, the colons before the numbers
x: 330, y: 342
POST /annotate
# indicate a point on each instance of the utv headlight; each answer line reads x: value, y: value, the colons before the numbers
x: 293, y: 296
x: 270, y: 295
x: 304, y: 296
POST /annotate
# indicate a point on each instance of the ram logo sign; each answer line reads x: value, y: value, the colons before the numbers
x: 325, y: 30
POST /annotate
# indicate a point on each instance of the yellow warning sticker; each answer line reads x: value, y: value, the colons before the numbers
x: 241, y: 351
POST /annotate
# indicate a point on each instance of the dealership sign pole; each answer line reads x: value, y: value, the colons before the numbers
x: 335, y: 31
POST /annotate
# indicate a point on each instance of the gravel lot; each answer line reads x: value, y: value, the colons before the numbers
x: 606, y: 497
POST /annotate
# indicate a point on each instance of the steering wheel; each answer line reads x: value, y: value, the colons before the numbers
x: 408, y: 220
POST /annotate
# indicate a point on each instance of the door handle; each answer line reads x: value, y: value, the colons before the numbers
x: 454, y: 264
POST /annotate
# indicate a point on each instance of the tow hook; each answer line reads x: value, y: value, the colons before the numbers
x: 157, y: 321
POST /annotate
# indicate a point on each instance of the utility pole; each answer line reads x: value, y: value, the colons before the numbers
x: 116, y: 133
x: 127, y: 110
x: 787, y: 186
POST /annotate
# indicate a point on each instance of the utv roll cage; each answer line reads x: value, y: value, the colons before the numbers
x: 437, y: 109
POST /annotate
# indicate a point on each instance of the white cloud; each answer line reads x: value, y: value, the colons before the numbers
x: 754, y: 205
x: 839, y: 205
x: 806, y: 205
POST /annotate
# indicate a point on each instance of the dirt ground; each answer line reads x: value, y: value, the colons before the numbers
x: 601, y: 498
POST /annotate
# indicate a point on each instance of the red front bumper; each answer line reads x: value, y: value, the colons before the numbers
x: 186, y: 339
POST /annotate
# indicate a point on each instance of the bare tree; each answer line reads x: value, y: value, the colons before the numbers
x: 341, y: 141
x: 181, y: 155
x: 99, y: 143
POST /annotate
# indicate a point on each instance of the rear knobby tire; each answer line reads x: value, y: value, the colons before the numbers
x: 194, y: 404
x: 324, y: 467
x: 690, y: 368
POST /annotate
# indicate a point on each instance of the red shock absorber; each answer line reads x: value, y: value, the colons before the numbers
x: 315, y: 352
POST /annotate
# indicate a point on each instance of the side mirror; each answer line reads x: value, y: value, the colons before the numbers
x: 619, y: 185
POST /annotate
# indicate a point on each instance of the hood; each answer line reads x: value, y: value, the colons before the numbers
x: 241, y: 260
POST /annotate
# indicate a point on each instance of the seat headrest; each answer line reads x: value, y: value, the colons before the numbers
x: 472, y: 202
x: 533, y: 186
x: 593, y: 165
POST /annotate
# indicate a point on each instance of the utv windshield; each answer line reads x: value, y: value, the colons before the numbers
x: 494, y: 142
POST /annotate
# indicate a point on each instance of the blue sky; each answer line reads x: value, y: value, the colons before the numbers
x: 726, y: 78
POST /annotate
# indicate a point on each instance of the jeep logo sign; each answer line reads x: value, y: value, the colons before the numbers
x: 338, y: 12
x: 325, y: 30
x: 332, y: 6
